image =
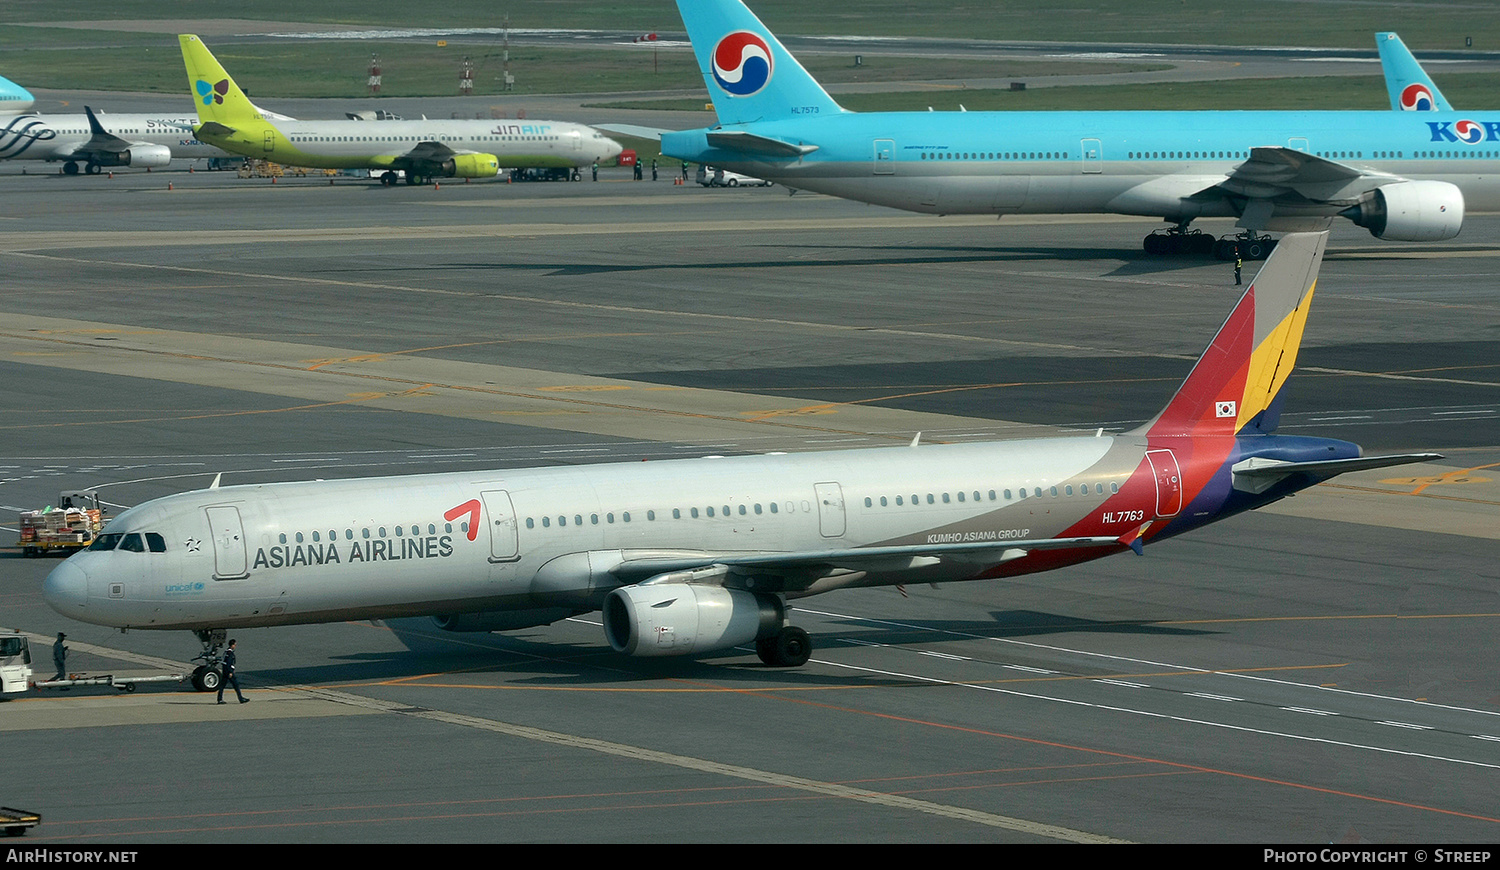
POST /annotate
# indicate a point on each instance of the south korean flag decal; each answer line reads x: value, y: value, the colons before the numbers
x: 1226, y: 409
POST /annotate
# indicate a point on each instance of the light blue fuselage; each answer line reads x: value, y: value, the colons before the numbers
x: 1143, y: 163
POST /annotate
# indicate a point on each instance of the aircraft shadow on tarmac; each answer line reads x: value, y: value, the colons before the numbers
x: 437, y: 658
x: 1136, y: 262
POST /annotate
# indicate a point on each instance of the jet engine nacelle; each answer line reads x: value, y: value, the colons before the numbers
x: 502, y: 620
x: 676, y: 619
x: 136, y: 155
x: 471, y: 166
x: 1411, y: 211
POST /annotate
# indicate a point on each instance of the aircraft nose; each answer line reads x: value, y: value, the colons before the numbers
x: 66, y: 589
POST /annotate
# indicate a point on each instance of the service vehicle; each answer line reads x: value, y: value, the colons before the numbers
x: 15, y: 662
x: 713, y: 176
x: 71, y: 525
x: 15, y: 822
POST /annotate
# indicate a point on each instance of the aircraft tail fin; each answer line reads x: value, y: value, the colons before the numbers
x: 1235, y: 387
x: 750, y: 74
x: 1409, y: 86
x: 215, y: 95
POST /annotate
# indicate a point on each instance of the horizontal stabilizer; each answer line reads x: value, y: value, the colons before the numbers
x: 750, y: 143
x: 1257, y: 474
x: 634, y: 130
x: 214, y: 128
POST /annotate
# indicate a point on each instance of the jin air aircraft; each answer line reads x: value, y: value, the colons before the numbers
x: 95, y: 140
x: 421, y: 150
x: 685, y: 557
x: 1406, y: 177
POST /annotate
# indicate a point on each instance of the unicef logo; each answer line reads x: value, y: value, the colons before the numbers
x: 742, y: 63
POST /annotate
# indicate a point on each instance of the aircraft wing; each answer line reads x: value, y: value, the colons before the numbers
x: 429, y: 152
x: 798, y: 570
x: 101, y: 141
x: 1276, y: 171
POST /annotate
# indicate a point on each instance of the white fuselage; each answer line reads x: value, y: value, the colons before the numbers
x: 374, y: 144
x: 548, y: 537
x: 60, y: 137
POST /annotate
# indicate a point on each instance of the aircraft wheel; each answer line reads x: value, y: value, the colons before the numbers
x: 211, y: 680
x: 70, y: 168
x: 1204, y: 244
x: 1257, y: 250
x: 92, y: 169
x: 790, y: 648
x: 734, y: 182
x: 1154, y: 244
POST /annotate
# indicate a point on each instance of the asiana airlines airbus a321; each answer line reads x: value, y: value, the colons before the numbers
x: 687, y: 557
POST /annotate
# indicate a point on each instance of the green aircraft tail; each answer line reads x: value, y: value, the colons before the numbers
x: 216, y: 96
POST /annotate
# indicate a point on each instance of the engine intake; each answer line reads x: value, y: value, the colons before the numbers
x: 1411, y: 211
x: 676, y: 619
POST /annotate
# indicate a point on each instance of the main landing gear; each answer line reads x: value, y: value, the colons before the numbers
x: 1179, y: 241
x: 788, y: 648
x: 208, y: 676
x: 1249, y: 246
x: 71, y: 168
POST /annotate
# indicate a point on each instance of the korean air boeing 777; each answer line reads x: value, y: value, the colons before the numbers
x: 14, y: 98
x: 1410, y: 88
x: 420, y: 149
x: 1404, y: 176
x: 689, y: 556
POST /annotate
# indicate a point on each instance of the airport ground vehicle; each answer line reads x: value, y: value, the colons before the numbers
x: 546, y: 173
x: 15, y: 662
x: 711, y: 176
x: 71, y: 525
x: 15, y: 822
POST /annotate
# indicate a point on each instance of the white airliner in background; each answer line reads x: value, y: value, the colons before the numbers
x: 686, y: 557
x: 418, y: 150
x: 95, y: 140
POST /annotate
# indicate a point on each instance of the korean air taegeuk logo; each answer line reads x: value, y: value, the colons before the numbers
x: 742, y: 63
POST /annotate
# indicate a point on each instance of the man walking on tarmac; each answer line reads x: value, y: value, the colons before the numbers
x: 60, y: 657
x: 229, y: 660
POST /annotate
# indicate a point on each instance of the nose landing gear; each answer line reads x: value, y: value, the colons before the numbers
x: 208, y: 676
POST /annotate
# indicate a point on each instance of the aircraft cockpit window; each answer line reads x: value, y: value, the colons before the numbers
x: 133, y: 543
x: 106, y: 542
x: 156, y: 543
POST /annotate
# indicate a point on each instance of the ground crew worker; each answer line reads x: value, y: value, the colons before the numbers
x: 1238, y: 264
x: 229, y: 677
x: 653, y: 169
x: 60, y: 657
x: 596, y: 170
